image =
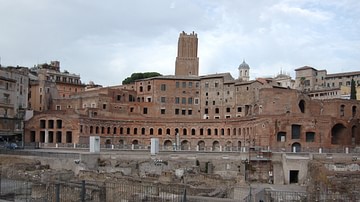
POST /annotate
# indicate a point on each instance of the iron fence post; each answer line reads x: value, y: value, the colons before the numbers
x: 184, y: 196
x: 57, y: 192
x: 83, y: 191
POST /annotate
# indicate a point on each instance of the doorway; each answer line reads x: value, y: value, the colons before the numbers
x: 294, y: 176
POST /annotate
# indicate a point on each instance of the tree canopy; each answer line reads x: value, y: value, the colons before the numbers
x: 353, y: 90
x: 139, y: 75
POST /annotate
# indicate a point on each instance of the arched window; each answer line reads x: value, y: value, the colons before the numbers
x: 302, y: 106
x: 159, y: 131
x: 193, y: 131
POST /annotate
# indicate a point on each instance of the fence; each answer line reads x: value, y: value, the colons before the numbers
x: 266, y: 195
x: 87, y: 191
x: 96, y: 191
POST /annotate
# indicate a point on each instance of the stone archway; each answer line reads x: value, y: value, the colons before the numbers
x: 354, y: 136
x: 135, y: 143
x: 239, y: 146
x: 201, y: 145
x: 107, y: 143
x: 338, y: 134
x: 216, y: 146
x: 121, y: 143
x: 185, y: 145
x: 228, y: 146
x: 168, y: 145
x: 296, y: 147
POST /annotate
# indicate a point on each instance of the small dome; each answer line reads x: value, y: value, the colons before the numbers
x: 243, y: 65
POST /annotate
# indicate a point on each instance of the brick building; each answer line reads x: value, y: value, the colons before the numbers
x: 191, y: 112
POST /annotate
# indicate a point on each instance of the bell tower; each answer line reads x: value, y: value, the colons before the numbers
x: 187, y: 62
x: 244, y: 71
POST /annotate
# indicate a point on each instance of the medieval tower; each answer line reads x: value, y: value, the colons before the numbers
x: 187, y: 62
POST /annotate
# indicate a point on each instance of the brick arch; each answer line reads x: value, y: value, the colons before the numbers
x: 338, y: 134
x: 228, y: 146
x: 185, y: 145
x: 216, y: 146
x: 201, y: 144
x: 168, y: 145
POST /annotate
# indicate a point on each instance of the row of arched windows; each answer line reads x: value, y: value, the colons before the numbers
x: 167, y: 131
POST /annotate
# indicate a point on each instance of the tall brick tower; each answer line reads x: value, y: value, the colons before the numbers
x: 187, y: 62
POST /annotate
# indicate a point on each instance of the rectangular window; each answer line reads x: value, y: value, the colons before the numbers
x: 32, y: 136
x: 183, y: 100
x: 281, y: 137
x: 190, y: 84
x: 51, y: 124
x: 162, y: 111
x: 197, y: 84
x: 183, y: 112
x: 190, y: 100
x: 227, y: 109
x: 295, y: 131
x: 177, y: 84
x: 162, y: 99
x: 216, y: 84
x: 206, y: 111
x: 163, y: 87
x: 184, y: 84
x: 206, y: 85
x: 196, y: 101
x: 145, y: 110
x: 239, y: 109
x: 58, y: 123
x: 177, y: 111
x: 190, y: 112
x: 42, y: 123
x: 177, y: 100
x: 310, y: 137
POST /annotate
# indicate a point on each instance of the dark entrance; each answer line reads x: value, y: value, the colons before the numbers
x: 338, y: 134
x: 294, y: 176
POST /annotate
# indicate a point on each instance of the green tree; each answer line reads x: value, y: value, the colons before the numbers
x: 353, y: 90
x: 139, y: 75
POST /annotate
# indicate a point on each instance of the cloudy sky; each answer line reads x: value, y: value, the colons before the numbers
x: 105, y: 41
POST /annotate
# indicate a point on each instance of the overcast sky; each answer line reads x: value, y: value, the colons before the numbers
x: 105, y: 41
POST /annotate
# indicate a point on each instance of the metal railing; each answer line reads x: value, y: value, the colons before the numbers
x: 346, y: 150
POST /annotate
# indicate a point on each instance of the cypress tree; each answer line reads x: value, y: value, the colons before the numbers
x: 353, y: 90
